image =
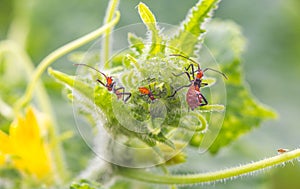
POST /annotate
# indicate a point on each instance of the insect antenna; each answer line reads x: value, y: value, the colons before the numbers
x: 217, y: 71
x: 180, y: 55
x: 199, y: 65
x: 91, y: 68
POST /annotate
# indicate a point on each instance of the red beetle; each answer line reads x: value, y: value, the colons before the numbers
x: 110, y: 84
x: 194, y: 97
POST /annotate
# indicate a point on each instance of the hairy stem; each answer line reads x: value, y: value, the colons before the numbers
x: 57, y: 54
x: 111, y: 9
x: 140, y: 175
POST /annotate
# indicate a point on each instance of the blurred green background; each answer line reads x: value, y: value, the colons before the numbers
x: 271, y: 63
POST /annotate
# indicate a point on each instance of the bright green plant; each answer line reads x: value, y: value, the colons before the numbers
x: 148, y: 63
x: 162, y: 128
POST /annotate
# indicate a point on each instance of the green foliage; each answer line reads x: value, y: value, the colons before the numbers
x: 165, y: 125
x: 243, y: 111
x: 157, y: 119
x: 122, y: 184
x: 191, y: 31
x: 150, y: 123
x: 148, y: 65
x: 136, y: 43
x: 12, y: 175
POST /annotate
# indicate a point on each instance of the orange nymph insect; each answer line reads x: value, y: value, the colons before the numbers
x: 146, y: 91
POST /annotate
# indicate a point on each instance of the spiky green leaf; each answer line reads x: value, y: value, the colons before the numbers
x: 157, y: 45
x: 192, y: 28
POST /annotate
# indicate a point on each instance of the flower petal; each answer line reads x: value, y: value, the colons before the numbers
x: 31, y: 152
x: 5, y: 146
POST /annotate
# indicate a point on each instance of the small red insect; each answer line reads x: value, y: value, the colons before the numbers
x: 282, y: 150
x: 146, y: 91
x: 110, y: 84
x: 194, y: 97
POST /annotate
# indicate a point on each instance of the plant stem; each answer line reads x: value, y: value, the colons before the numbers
x: 140, y: 175
x: 20, y: 25
x: 23, y: 60
x: 57, y: 54
x: 5, y: 110
x: 111, y: 9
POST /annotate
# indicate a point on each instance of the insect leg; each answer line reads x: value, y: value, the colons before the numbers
x: 128, y: 96
x: 150, y: 87
x: 151, y: 95
x: 116, y: 91
x: 203, y: 84
x: 123, y: 93
x: 188, y: 75
x: 178, y: 89
x: 205, y: 101
x: 98, y: 80
x: 193, y: 71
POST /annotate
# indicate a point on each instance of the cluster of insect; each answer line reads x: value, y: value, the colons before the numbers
x: 194, y: 97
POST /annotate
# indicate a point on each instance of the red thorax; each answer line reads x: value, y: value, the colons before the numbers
x: 109, y: 83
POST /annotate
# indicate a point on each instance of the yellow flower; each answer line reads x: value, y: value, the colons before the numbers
x: 26, y: 148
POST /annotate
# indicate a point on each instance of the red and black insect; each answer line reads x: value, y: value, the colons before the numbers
x: 146, y: 91
x: 282, y: 150
x: 110, y: 84
x: 194, y: 97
